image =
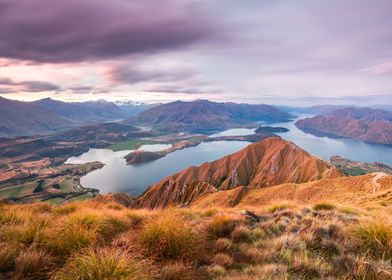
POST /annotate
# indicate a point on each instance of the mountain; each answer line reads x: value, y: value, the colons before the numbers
x: 206, y: 116
x: 272, y: 161
x: 364, y: 124
x: 131, y: 108
x: 83, y: 112
x: 24, y: 118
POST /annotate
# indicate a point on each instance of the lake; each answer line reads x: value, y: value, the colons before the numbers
x: 116, y: 176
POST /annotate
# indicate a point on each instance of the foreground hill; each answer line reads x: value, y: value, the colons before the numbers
x: 23, y: 118
x: 266, y: 163
x: 329, y: 229
x: 206, y: 116
x: 364, y: 124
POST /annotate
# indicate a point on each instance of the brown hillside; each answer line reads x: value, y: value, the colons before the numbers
x: 358, y: 190
x: 266, y: 163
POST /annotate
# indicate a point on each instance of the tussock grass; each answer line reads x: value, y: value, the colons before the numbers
x: 223, y: 244
x: 169, y: 237
x: 241, y: 234
x: 176, y: 271
x: 64, y: 241
x: 32, y: 264
x: 374, y: 238
x: 221, y: 226
x: 105, y: 264
x: 222, y: 259
x: 90, y: 240
x: 8, y: 253
x: 65, y: 209
x: 324, y: 206
x: 278, y: 207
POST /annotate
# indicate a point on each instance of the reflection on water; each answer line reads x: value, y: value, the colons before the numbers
x: 234, y: 132
x: 116, y: 176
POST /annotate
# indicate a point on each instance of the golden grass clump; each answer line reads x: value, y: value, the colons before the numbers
x: 242, y: 234
x: 176, y: 271
x: 8, y: 253
x: 223, y: 244
x: 170, y: 237
x: 32, y: 264
x: 278, y: 207
x: 111, y: 226
x: 373, y: 238
x: 223, y: 260
x: 65, y: 209
x: 221, y: 226
x: 66, y: 240
x: 324, y: 206
x: 105, y: 264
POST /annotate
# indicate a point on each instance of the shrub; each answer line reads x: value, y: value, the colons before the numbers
x: 241, y: 234
x: 222, y: 259
x: 220, y: 226
x: 105, y: 264
x: 176, y: 271
x: 169, y: 237
x: 374, y: 238
x: 32, y: 264
x: 323, y: 206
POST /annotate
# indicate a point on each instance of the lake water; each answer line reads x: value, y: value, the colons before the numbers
x: 116, y: 176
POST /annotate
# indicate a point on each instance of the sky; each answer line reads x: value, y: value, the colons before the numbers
x: 303, y: 52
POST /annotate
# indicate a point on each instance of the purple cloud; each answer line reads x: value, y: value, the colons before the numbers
x: 7, y: 90
x: 29, y: 86
x: 89, y: 30
x: 133, y: 74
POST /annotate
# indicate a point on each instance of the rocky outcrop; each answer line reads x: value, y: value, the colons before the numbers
x: 266, y: 163
x: 368, y: 125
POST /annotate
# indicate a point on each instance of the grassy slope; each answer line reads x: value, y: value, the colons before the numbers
x: 99, y: 239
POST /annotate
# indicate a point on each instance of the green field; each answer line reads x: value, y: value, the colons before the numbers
x: 132, y: 144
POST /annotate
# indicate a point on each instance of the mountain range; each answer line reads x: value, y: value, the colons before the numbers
x: 364, y: 124
x: 47, y: 115
x: 207, y: 116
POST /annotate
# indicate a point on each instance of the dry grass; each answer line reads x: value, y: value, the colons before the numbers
x: 89, y: 240
x: 374, y: 238
x: 176, y: 271
x: 105, y: 264
x: 170, y: 237
x: 221, y: 226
